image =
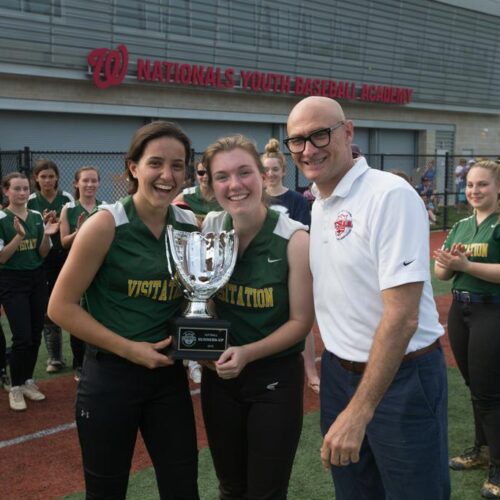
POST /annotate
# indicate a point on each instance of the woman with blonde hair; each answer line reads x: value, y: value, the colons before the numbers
x: 296, y: 207
x: 253, y: 401
x: 471, y: 257
x: 73, y: 215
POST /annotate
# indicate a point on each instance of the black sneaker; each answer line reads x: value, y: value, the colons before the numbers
x: 477, y: 457
x: 491, y: 487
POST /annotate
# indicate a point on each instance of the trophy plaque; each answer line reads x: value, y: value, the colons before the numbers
x: 203, y: 264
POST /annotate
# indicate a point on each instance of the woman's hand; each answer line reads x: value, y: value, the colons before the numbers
x: 148, y: 354
x: 231, y: 362
x: 49, y: 216
x: 81, y: 219
x: 51, y: 228
x: 454, y: 259
x: 19, y: 227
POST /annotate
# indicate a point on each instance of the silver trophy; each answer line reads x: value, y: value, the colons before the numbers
x: 203, y: 264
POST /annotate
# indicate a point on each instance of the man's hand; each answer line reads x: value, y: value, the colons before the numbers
x: 343, y: 440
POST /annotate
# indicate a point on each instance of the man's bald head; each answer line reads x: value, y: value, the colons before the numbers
x: 317, y: 105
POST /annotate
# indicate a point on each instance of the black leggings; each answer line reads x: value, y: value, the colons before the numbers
x: 253, y: 425
x: 116, y: 398
x: 474, y: 331
x: 52, y: 265
x: 24, y: 298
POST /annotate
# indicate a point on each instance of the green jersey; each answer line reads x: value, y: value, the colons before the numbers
x: 27, y: 256
x: 193, y: 197
x: 255, y: 300
x: 39, y: 203
x: 483, y: 243
x: 133, y: 294
x: 73, y: 211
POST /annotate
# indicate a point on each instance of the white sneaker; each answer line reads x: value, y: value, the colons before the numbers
x: 194, y: 370
x: 16, y: 399
x: 31, y: 391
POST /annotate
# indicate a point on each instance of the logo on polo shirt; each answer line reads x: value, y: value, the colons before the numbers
x: 343, y: 224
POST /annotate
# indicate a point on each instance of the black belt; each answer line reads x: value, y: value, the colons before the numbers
x: 359, y: 367
x: 475, y: 298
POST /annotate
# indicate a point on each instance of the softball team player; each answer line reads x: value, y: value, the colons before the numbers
x: 297, y: 208
x: 471, y: 256
x: 200, y: 198
x: 252, y: 402
x: 48, y: 200
x: 118, y: 260
x: 73, y: 215
x: 24, y: 242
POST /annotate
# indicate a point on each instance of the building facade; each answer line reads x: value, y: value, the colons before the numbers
x: 417, y: 77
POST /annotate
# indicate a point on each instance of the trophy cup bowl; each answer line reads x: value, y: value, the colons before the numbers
x: 203, y: 264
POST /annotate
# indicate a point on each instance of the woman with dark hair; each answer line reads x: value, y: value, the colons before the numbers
x: 253, y: 401
x: 471, y: 257
x: 49, y: 201
x: 73, y: 215
x: 24, y: 242
x: 118, y: 263
x: 296, y: 207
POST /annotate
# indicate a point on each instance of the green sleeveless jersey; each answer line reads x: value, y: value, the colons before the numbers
x: 483, y: 243
x: 27, y: 256
x: 39, y: 203
x: 255, y: 300
x: 74, y: 209
x: 193, y: 197
x: 133, y: 294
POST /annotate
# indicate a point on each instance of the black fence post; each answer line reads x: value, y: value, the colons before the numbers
x: 446, y: 190
x: 382, y: 161
x: 25, y: 166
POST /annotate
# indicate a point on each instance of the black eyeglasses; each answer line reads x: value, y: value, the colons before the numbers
x: 319, y: 138
x: 201, y: 173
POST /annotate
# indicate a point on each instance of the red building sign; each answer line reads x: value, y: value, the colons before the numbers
x: 110, y: 67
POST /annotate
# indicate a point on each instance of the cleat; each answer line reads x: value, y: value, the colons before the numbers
x: 477, y: 457
x: 491, y: 487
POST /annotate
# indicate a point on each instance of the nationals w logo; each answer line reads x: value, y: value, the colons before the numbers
x: 109, y: 66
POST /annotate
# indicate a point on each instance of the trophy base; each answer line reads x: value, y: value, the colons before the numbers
x: 198, y: 338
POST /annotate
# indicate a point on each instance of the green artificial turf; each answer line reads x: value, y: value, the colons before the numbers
x: 310, y: 482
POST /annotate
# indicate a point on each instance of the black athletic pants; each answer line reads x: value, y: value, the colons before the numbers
x: 474, y: 331
x: 24, y: 298
x: 253, y: 425
x: 3, y: 351
x: 52, y: 265
x: 115, y: 399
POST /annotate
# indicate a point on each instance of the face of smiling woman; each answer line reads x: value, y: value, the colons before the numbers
x: 160, y: 171
x: 237, y: 182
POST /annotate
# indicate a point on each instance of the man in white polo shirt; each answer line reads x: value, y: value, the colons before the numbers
x: 383, y: 376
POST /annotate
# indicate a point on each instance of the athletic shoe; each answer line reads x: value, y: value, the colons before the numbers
x: 16, y: 399
x: 54, y: 366
x: 477, y: 457
x: 31, y: 391
x: 194, y: 370
x: 491, y: 487
x: 5, y: 381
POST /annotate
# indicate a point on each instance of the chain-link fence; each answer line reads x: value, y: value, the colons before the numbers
x: 440, y: 168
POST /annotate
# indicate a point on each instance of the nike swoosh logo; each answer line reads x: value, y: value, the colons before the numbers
x: 272, y: 260
x: 408, y: 262
x: 272, y: 387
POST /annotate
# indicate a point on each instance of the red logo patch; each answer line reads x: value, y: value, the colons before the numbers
x: 343, y: 224
x: 109, y: 66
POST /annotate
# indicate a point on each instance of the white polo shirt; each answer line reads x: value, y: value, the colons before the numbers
x: 370, y: 234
